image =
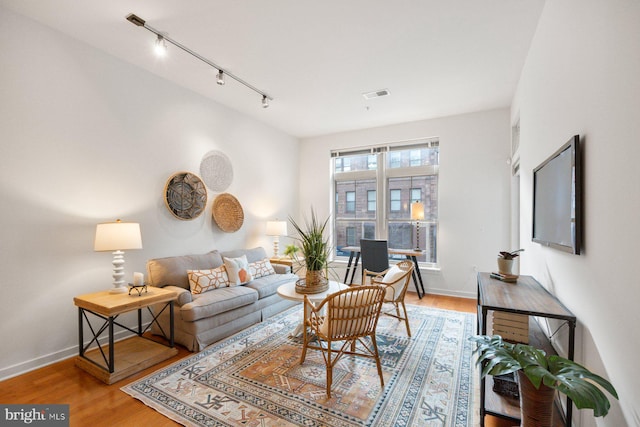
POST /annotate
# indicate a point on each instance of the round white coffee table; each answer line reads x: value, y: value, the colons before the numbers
x: 288, y: 291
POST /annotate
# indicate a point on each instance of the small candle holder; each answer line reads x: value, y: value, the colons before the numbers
x: 138, y: 288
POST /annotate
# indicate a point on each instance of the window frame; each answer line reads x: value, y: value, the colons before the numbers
x: 389, y: 165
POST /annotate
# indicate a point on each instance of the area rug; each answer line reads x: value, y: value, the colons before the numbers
x: 254, y: 378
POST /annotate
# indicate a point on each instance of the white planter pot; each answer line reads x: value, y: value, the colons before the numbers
x: 505, y: 266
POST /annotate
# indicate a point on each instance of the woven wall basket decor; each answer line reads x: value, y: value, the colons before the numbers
x: 185, y: 195
x: 216, y: 171
x: 227, y: 213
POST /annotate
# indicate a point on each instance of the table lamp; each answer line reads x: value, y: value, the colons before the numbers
x: 417, y: 214
x: 117, y: 237
x: 276, y: 229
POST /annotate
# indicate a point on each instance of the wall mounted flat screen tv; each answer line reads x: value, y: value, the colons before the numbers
x: 557, y: 198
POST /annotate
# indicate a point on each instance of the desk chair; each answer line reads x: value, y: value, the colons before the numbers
x: 375, y: 257
x: 395, y: 281
x: 351, y: 316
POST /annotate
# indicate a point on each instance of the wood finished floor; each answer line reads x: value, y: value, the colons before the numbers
x: 93, y: 403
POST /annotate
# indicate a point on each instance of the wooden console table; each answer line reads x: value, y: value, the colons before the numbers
x: 132, y: 354
x: 528, y: 297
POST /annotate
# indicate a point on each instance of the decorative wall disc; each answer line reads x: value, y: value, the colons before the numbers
x: 227, y: 213
x: 216, y: 171
x: 185, y: 195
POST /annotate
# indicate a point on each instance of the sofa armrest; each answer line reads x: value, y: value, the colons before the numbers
x: 184, y: 295
x: 281, y: 268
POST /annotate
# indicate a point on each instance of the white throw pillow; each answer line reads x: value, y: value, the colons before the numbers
x: 238, y: 270
x: 391, y: 276
x: 206, y: 280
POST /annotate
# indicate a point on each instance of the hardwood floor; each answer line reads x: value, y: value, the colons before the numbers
x: 93, y: 403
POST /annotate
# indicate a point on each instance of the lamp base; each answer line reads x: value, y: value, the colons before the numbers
x: 119, y: 285
x: 119, y: 290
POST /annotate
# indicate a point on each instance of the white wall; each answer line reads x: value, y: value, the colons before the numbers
x: 473, y: 189
x: 581, y: 77
x: 86, y: 138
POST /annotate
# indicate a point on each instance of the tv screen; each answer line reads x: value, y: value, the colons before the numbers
x: 557, y: 197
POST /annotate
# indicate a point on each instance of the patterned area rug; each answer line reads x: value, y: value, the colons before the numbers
x: 254, y: 378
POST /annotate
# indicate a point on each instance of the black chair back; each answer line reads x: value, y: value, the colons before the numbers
x: 374, y: 254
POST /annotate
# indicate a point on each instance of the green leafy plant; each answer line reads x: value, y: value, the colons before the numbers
x: 315, y: 248
x: 510, y: 255
x: 499, y: 357
x: 291, y: 250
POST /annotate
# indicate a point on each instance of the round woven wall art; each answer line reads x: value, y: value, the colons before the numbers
x: 216, y: 171
x: 185, y: 195
x: 227, y: 213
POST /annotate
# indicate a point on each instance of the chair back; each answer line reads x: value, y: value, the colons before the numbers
x: 396, y: 280
x: 353, y: 312
x: 374, y: 254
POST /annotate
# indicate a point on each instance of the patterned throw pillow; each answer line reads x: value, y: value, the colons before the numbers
x: 206, y: 280
x: 261, y: 268
x: 238, y: 270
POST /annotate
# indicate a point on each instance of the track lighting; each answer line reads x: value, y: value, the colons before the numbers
x: 161, y: 48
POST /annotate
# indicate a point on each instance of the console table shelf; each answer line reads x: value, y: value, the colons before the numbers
x: 527, y: 297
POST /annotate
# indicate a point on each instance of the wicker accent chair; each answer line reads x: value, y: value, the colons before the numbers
x: 348, y: 316
x: 396, y: 281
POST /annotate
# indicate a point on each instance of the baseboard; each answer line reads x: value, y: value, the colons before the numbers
x: 448, y: 293
x: 58, y: 356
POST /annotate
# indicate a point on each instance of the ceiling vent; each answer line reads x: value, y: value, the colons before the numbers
x: 376, y: 94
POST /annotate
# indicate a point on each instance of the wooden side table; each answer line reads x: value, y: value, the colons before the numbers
x: 114, y: 361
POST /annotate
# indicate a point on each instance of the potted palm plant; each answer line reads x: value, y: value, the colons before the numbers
x: 315, y: 250
x: 539, y: 376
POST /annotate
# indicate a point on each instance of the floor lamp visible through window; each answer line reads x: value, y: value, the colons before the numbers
x: 417, y: 214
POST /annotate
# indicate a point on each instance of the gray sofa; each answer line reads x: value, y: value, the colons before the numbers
x: 202, y: 319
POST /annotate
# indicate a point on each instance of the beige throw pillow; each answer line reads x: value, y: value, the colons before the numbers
x: 261, y: 268
x: 206, y: 280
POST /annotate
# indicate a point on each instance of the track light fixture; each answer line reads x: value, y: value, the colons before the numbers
x: 161, y: 45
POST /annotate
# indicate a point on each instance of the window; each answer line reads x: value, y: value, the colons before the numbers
x: 351, y: 201
x: 351, y: 236
x: 416, y: 195
x: 373, y: 196
x: 415, y: 157
x: 371, y: 200
x: 395, y: 198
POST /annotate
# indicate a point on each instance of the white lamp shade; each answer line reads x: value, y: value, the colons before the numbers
x: 276, y: 228
x: 417, y: 211
x: 115, y: 236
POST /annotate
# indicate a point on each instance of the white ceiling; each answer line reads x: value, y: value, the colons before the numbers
x: 316, y: 58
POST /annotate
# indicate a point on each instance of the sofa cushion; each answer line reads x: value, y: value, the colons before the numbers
x: 213, y: 303
x: 207, y: 280
x: 237, y: 270
x: 261, y: 268
x: 268, y: 285
x: 173, y: 270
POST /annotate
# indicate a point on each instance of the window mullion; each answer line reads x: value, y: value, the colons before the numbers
x: 381, y: 203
